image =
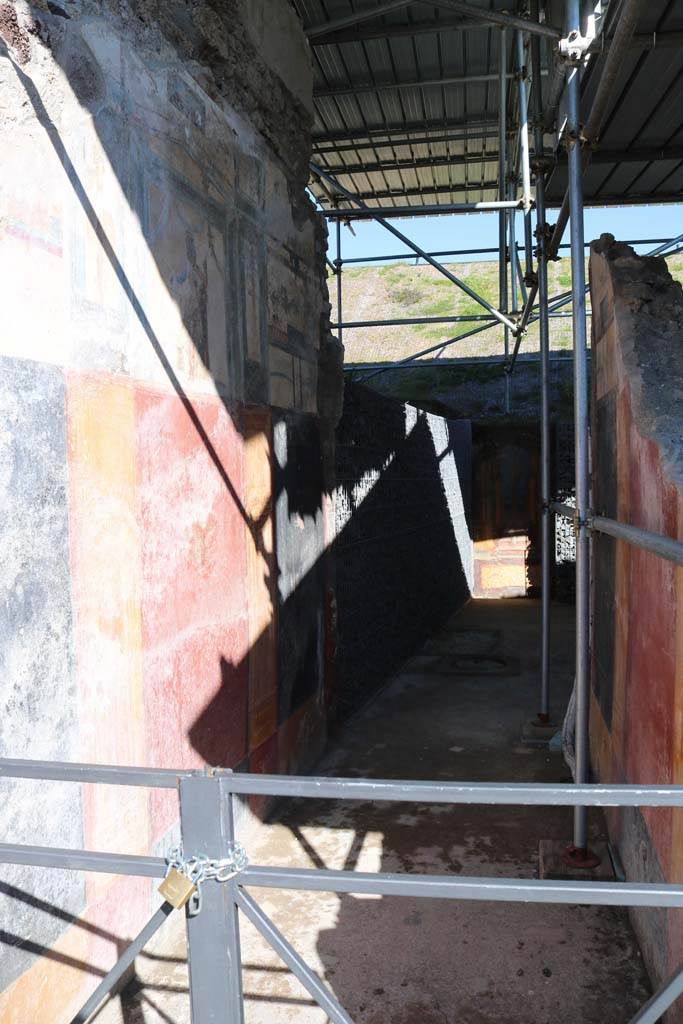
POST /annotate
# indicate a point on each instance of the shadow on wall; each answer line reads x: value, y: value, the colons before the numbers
x: 195, y: 568
x: 160, y: 584
x: 403, y: 553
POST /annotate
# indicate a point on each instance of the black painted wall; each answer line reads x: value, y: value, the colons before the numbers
x: 402, y: 546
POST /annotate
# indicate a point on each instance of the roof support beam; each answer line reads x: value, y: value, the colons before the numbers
x: 416, y: 248
x: 461, y: 160
x: 354, y: 19
x: 367, y: 135
x: 391, y: 143
x: 415, y: 28
x: 605, y: 156
x: 443, y: 190
x: 501, y: 18
x: 413, y: 83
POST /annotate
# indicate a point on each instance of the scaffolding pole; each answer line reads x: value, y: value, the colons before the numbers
x: 338, y: 271
x: 578, y: 853
x: 514, y: 256
x: 418, y: 250
x: 502, y: 216
x: 544, y: 347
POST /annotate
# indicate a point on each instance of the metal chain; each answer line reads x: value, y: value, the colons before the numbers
x: 201, y: 868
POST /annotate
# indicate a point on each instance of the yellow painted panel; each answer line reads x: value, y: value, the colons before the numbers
x: 106, y: 588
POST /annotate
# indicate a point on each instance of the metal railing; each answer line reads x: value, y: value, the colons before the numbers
x: 215, y: 893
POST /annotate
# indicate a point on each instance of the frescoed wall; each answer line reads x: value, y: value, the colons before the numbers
x: 164, y: 583
x: 637, y: 598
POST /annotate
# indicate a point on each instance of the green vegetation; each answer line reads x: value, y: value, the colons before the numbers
x: 372, y: 292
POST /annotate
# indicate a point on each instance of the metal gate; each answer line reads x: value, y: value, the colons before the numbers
x: 209, y: 873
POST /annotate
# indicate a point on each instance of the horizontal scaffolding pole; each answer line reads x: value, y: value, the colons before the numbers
x: 108, y: 774
x: 368, y: 213
x: 454, y: 363
x: 666, y: 547
x: 516, y: 793
x: 454, y: 887
x: 429, y: 209
x: 438, y: 347
x: 409, y: 321
x: 362, y: 88
x: 83, y: 860
x: 414, y: 320
x: 477, y: 252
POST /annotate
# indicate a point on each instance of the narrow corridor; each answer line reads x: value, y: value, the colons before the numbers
x: 454, y: 711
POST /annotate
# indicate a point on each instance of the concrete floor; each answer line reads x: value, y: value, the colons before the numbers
x: 452, y: 712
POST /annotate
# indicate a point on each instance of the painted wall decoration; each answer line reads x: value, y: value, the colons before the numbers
x: 163, y: 545
x: 637, y: 598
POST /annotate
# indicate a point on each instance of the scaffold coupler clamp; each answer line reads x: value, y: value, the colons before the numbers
x: 574, y: 47
x: 579, y: 522
x: 185, y: 875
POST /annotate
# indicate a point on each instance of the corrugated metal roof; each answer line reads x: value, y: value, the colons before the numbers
x: 406, y: 106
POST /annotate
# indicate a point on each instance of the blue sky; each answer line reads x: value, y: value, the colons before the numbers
x: 481, y: 229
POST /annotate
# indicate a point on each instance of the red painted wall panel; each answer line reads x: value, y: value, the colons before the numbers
x: 194, y: 590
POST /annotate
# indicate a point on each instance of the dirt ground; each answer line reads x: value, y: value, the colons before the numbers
x: 455, y: 711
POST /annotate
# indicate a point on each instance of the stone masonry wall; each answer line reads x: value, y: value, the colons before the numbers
x: 637, y: 598
x: 169, y: 390
x: 402, y: 548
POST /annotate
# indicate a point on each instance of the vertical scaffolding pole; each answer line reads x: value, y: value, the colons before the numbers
x: 514, y: 258
x: 578, y: 854
x: 528, y: 247
x: 523, y: 124
x: 338, y: 270
x: 502, y: 216
x: 544, y: 345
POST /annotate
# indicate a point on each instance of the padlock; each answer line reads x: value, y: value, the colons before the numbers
x: 177, y: 888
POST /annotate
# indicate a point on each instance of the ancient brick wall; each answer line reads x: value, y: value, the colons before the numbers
x: 637, y: 598
x: 168, y: 397
x: 403, y: 554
